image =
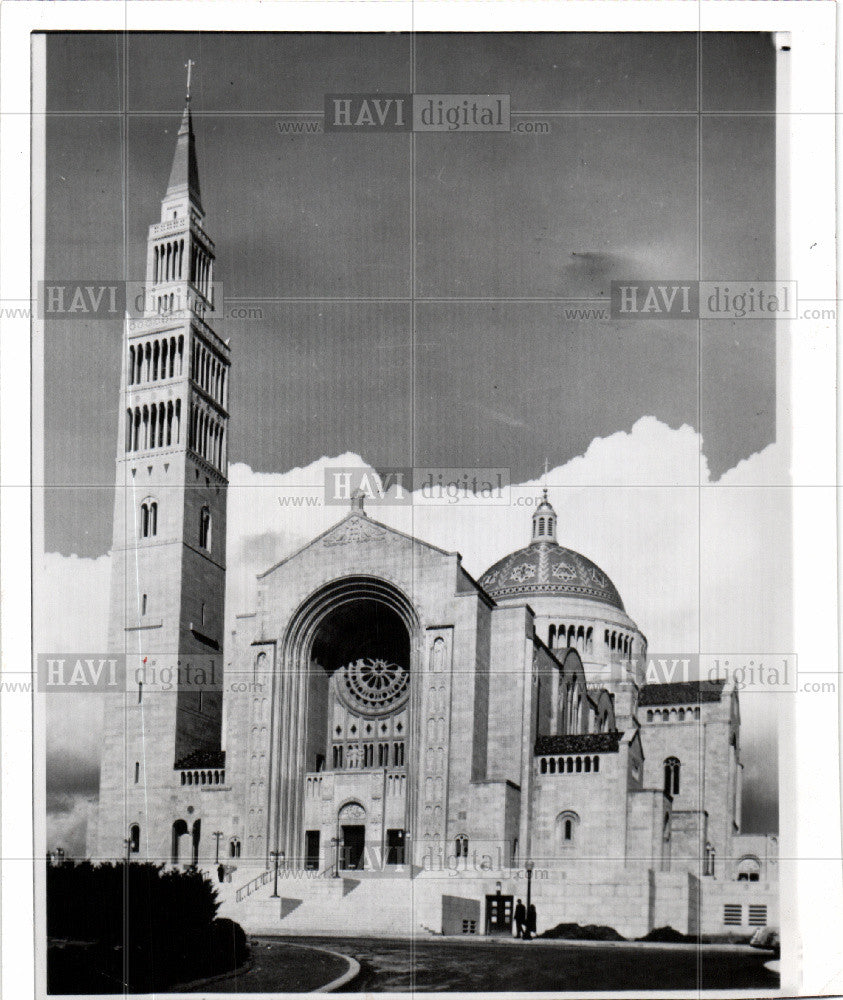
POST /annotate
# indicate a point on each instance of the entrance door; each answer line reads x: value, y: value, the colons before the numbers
x: 353, y: 842
x: 395, y: 847
x: 311, y: 850
x: 499, y: 914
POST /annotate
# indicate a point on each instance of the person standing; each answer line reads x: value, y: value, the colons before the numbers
x: 531, y: 921
x: 520, y: 918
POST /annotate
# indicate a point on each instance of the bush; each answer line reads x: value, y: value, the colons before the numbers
x: 143, y: 927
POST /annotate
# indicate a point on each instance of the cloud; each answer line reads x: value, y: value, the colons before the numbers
x: 692, y: 559
x: 67, y: 824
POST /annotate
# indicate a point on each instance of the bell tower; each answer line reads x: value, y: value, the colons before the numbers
x: 168, y: 552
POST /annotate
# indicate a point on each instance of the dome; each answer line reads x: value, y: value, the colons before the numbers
x: 546, y: 569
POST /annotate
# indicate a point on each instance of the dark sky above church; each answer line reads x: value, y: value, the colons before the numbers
x: 409, y: 286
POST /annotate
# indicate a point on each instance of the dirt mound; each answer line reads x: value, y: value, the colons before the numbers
x: 578, y: 932
x: 666, y: 935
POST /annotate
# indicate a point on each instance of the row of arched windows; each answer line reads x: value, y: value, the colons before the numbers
x: 208, y: 372
x: 672, y: 714
x: 570, y: 708
x: 156, y: 425
x: 354, y: 755
x: 157, y: 359
x: 168, y: 261
x: 168, y: 264
x: 215, y: 777
x: 577, y: 636
x: 149, y: 519
x: 207, y: 437
x: 201, y: 270
x: 620, y: 641
x: 569, y: 765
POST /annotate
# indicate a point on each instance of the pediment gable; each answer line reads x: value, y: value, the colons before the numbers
x: 353, y: 530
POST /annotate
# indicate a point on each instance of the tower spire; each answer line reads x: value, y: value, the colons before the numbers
x: 183, y: 185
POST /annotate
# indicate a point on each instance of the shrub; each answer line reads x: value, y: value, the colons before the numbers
x: 146, y: 928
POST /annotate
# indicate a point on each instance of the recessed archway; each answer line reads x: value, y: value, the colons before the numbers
x: 349, y: 658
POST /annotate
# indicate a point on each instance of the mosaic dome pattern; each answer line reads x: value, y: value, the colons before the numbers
x: 546, y: 568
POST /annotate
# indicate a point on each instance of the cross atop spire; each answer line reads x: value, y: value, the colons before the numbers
x: 188, y: 66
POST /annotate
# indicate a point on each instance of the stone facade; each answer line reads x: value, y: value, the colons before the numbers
x: 408, y: 745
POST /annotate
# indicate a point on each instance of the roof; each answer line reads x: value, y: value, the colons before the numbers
x: 201, y: 758
x: 546, y: 568
x: 579, y: 743
x: 184, y: 174
x: 681, y: 693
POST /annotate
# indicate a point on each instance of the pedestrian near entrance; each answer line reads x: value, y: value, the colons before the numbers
x: 531, y: 921
x: 520, y: 918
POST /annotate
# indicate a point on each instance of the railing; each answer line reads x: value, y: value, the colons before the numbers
x: 567, y: 764
x: 203, y: 776
x: 253, y: 885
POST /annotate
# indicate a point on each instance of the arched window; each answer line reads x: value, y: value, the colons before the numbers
x: 749, y: 869
x: 543, y: 766
x: 671, y: 776
x: 134, y: 839
x: 205, y: 529
x: 567, y: 823
x: 649, y: 715
x: 553, y: 765
x: 541, y: 525
x: 710, y: 858
x: 461, y: 846
x: 137, y: 771
x: 234, y: 847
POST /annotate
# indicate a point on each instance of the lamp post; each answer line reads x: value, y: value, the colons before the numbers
x: 276, y: 857
x: 335, y: 843
x: 529, y: 866
x: 128, y: 845
x: 217, y: 834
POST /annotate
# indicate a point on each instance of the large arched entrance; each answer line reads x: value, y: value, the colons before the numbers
x: 345, y: 706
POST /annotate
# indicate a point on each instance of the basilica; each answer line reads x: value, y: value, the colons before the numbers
x: 389, y: 745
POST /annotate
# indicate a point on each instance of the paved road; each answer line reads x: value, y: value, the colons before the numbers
x: 281, y: 968
x: 480, y: 965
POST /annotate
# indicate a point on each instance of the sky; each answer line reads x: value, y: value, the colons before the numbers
x: 413, y: 295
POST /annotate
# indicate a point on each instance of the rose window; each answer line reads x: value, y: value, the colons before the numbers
x: 374, y: 685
